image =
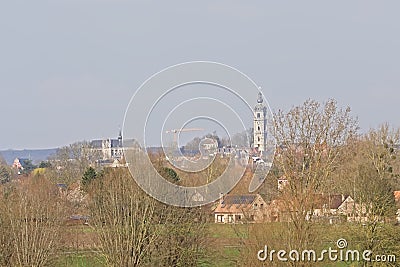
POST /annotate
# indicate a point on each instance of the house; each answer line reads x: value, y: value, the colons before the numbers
x: 352, y: 210
x: 328, y: 204
x: 330, y: 208
x: 240, y: 208
x: 336, y: 207
x: 210, y: 145
x: 282, y: 182
x: 20, y: 164
x: 226, y: 151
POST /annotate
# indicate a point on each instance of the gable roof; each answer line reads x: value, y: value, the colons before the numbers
x: 96, y: 143
x: 236, y: 203
x: 345, y: 202
x: 330, y: 201
x: 99, y: 143
x: 238, y: 199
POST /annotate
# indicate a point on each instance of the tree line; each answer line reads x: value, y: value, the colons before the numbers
x: 320, y: 150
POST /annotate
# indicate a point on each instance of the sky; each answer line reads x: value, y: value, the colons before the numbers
x: 68, y: 68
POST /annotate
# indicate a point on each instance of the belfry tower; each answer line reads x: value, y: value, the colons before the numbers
x: 260, y: 124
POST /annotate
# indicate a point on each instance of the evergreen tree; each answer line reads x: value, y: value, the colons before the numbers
x: 89, y: 175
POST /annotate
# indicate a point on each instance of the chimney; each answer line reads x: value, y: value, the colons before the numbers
x: 221, y: 198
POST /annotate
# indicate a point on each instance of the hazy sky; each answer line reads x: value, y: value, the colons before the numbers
x: 69, y: 67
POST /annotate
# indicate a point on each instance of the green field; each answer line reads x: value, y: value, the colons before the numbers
x: 225, y: 244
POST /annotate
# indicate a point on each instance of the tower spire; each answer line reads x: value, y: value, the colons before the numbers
x: 120, y: 137
x: 260, y: 125
x: 260, y: 98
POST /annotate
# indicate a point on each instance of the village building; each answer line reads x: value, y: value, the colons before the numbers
x: 109, y: 148
x: 111, y: 151
x: 260, y: 125
x: 240, y: 209
x: 19, y: 163
x: 336, y: 208
x: 282, y: 182
x: 329, y: 208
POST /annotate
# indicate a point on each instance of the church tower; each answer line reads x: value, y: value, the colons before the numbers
x: 260, y: 124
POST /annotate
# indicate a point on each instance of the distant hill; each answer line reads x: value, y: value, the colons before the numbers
x: 36, y: 155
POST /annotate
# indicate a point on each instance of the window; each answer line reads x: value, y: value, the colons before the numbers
x: 220, y: 218
x: 230, y: 218
x: 258, y: 139
x: 258, y: 128
x: 258, y: 115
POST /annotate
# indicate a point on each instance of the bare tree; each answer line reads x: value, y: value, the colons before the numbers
x: 311, y: 140
x: 70, y: 162
x: 5, y: 174
x: 34, y: 217
x: 375, y: 177
x: 6, y: 238
x: 183, y: 237
x: 123, y: 217
x: 136, y: 230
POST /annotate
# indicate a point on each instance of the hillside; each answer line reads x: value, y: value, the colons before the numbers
x: 36, y: 155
